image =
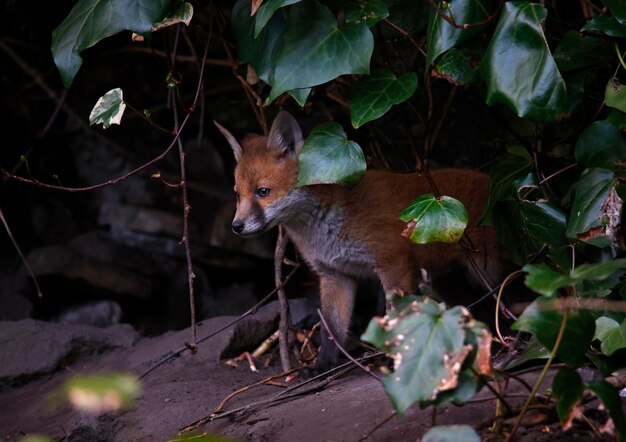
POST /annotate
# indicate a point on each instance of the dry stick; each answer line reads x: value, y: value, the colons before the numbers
x: 250, y: 311
x: 283, y: 326
x: 542, y: 376
x: 378, y: 426
x: 221, y: 405
x: 450, y: 20
x: 19, y: 252
x: 284, y: 395
x: 497, y: 309
x: 343, y: 350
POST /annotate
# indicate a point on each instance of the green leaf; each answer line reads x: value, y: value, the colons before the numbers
x: 604, y: 325
x: 451, y: 433
x: 260, y: 52
x: 612, y: 403
x: 266, y: 11
x: 533, y: 350
x: 108, y: 109
x: 36, y: 438
x: 458, y: 66
x: 595, y: 211
x: 545, y: 323
x: 90, y: 21
x: 429, y: 347
x: 567, y: 389
x: 606, y: 25
x: 442, y: 35
x: 316, y: 50
x: 369, y: 12
x: 183, y: 14
x: 100, y: 393
x: 300, y: 95
x: 601, y: 144
x: 613, y: 339
x: 518, y: 67
x: 542, y: 279
x: 329, y: 157
x: 618, y: 8
x: 615, y: 96
x: 434, y: 219
x: 576, y: 50
x: 374, y: 95
x: 617, y: 119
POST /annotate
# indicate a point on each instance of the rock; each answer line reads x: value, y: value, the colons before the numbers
x: 101, y: 314
x: 31, y: 348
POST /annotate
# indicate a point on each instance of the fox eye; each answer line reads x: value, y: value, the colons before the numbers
x: 263, y: 192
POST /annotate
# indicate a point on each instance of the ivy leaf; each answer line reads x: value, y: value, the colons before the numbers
x: 606, y: 25
x: 429, y: 346
x: 432, y: 219
x: 458, y: 67
x: 595, y: 214
x: 615, y: 96
x: 183, y: 14
x: 546, y: 281
x: 534, y: 350
x: 108, y: 109
x: 374, y: 95
x: 451, y: 433
x: 601, y: 144
x: 316, y: 50
x: 545, y: 323
x: 300, y: 95
x: 442, y: 35
x: 618, y: 8
x: 329, y: 157
x: 369, y: 12
x: 518, y: 67
x: 612, y: 403
x: 90, y: 21
x: 613, y: 339
x: 568, y: 389
x: 266, y: 11
x: 576, y: 50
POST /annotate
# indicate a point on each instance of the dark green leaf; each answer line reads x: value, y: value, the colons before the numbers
x: 576, y: 50
x: 568, y: 389
x: 615, y: 95
x: 90, y: 21
x: 451, y: 433
x: 434, y: 219
x: 545, y: 323
x: 592, y: 216
x: 108, y: 109
x: 316, y: 50
x: 606, y: 25
x: 259, y: 52
x: 604, y: 325
x: 458, y: 66
x: 266, y: 11
x: 369, y: 12
x: 533, y: 350
x: 427, y: 343
x: 329, y: 157
x: 505, y: 170
x: 518, y: 67
x: 300, y: 95
x: 617, y: 119
x: 374, y: 94
x: 618, y: 8
x: 612, y: 403
x: 443, y: 36
x: 542, y: 279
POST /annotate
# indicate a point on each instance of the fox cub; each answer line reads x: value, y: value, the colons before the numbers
x: 348, y: 234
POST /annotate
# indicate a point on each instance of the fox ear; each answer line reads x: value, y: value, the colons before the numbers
x: 234, y: 145
x: 285, y: 135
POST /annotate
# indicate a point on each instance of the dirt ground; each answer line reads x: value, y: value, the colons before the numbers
x: 36, y: 357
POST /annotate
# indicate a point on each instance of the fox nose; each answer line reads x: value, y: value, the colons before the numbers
x: 237, y: 226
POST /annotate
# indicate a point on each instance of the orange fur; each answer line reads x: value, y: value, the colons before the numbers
x: 348, y: 234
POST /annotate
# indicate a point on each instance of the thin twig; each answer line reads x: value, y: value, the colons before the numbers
x: 343, y: 350
x: 284, y: 324
x: 19, y: 252
x: 464, y: 26
x: 250, y: 311
x: 378, y: 426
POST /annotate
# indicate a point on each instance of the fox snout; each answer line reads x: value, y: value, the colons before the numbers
x: 238, y: 226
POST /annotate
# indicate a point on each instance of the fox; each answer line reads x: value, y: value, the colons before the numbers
x: 350, y: 234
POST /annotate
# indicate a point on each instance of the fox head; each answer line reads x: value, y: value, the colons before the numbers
x: 266, y: 175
